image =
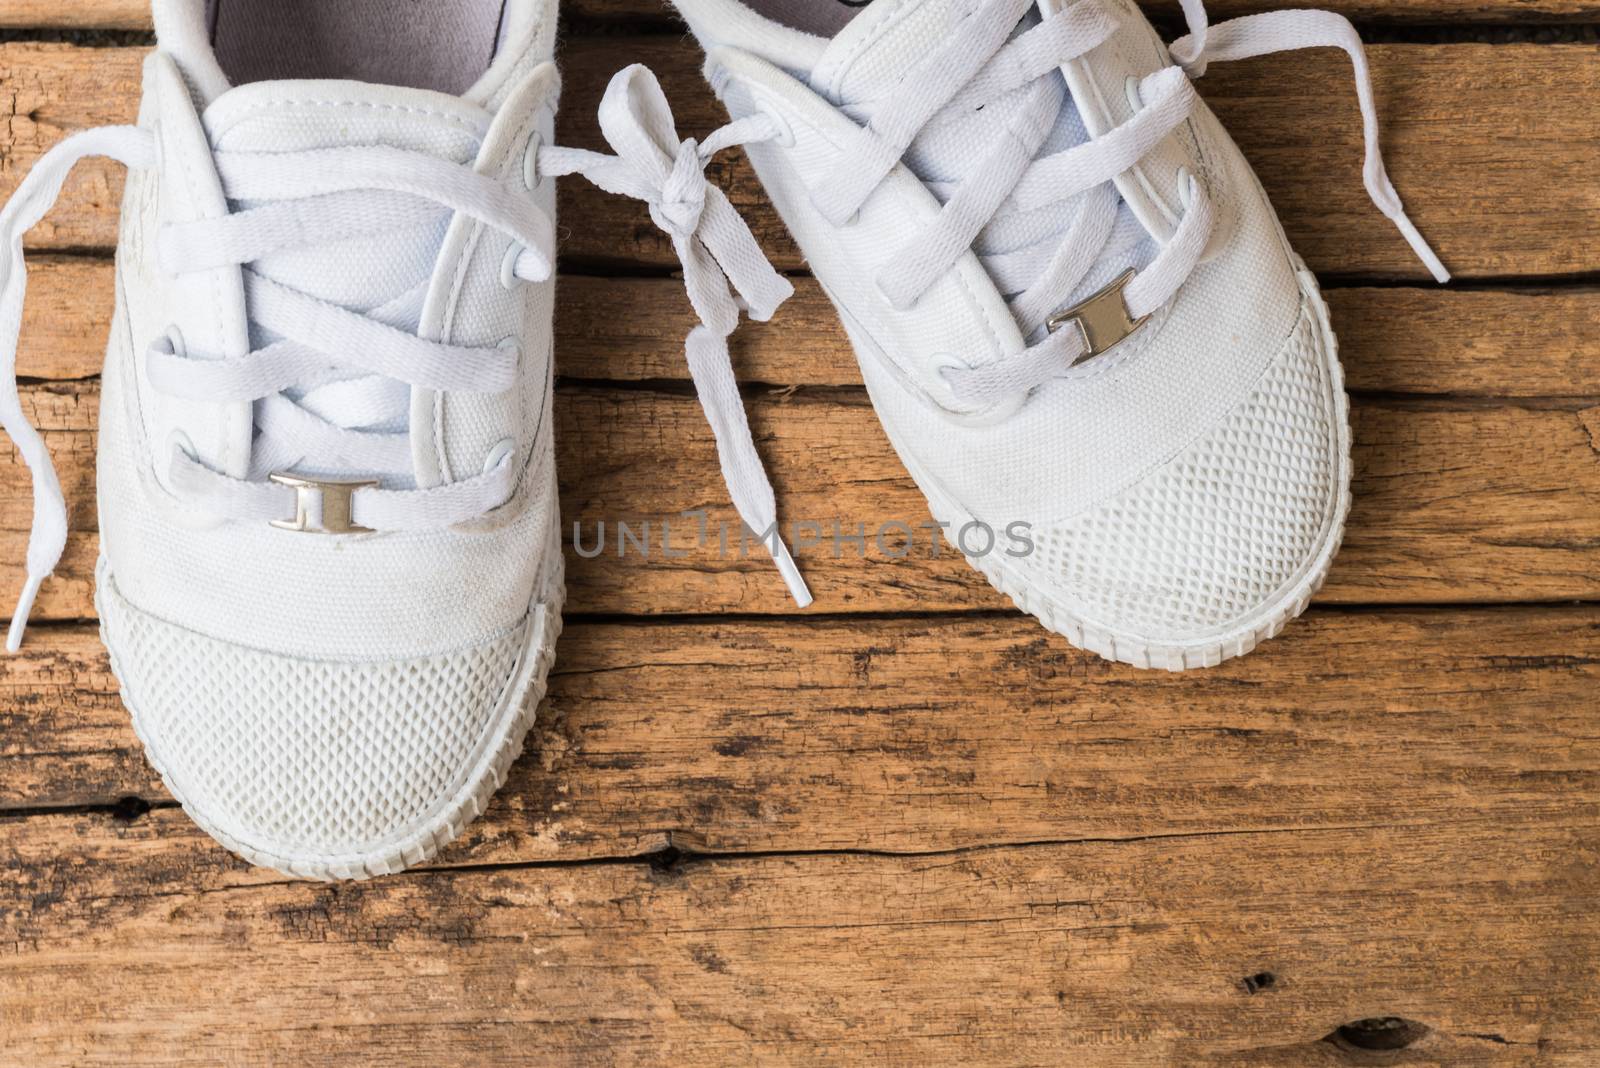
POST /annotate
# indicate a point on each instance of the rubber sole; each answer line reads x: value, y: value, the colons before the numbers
x: 516, y: 712
x: 1267, y: 621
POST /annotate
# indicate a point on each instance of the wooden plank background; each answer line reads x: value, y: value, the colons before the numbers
x: 909, y: 826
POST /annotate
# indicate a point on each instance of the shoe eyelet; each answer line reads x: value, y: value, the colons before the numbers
x: 169, y: 343
x: 164, y: 466
x: 178, y: 441
x: 1131, y: 88
x: 508, y: 268
x: 499, y: 454
x: 1186, y: 188
x: 944, y: 363
x: 173, y: 336
x: 883, y: 294
x: 530, y: 162
x: 951, y: 409
x: 785, y: 135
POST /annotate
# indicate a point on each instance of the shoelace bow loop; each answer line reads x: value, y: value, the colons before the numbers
x: 724, y: 268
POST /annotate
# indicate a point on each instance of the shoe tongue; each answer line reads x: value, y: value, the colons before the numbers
x: 874, y: 58
x: 868, y: 59
x: 369, y: 272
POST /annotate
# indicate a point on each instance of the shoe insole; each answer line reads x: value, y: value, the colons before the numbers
x: 821, y: 17
x: 422, y: 44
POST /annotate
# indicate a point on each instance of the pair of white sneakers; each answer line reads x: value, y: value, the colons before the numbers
x: 331, y: 568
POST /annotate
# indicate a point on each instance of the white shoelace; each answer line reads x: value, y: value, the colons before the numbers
x: 340, y: 411
x: 28, y: 205
x: 717, y: 251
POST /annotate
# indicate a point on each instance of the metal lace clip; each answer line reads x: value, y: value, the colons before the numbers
x: 329, y: 500
x: 1102, y: 319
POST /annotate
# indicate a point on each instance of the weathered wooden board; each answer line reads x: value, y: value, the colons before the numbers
x: 75, y: 14
x: 52, y: 90
x: 1425, y: 340
x: 135, y: 14
x: 1093, y: 953
x: 911, y: 735
x: 1491, y: 145
x: 1455, y: 501
x: 67, y: 317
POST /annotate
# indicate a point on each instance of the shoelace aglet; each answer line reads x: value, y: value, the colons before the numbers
x: 790, y: 571
x: 1420, y: 246
x: 19, y: 620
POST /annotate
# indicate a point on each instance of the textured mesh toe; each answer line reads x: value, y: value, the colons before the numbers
x: 298, y: 757
x: 1220, y: 529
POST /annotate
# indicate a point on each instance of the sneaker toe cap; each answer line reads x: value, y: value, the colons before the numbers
x: 1221, y: 544
x: 320, y: 769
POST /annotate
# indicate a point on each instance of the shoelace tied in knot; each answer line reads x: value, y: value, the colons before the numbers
x: 724, y: 268
x: 683, y: 194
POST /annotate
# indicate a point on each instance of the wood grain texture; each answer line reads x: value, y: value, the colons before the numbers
x: 918, y: 735
x: 1422, y: 340
x: 1490, y: 144
x: 75, y: 14
x: 1094, y: 953
x: 1456, y: 500
x: 1414, y: 340
x: 50, y: 91
x: 66, y: 317
x: 135, y: 14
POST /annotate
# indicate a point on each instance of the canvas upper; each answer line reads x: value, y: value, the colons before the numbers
x: 1185, y: 488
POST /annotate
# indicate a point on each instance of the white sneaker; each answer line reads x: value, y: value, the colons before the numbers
x: 1073, y: 305
x: 320, y: 283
